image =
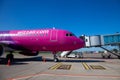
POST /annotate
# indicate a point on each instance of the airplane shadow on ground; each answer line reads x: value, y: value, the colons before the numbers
x: 23, y: 61
x: 20, y: 61
x: 76, y: 60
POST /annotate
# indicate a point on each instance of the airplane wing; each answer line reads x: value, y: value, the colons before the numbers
x: 7, y: 45
x: 6, y: 42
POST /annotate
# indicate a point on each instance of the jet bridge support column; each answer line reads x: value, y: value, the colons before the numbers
x: 119, y: 47
x: 111, y: 52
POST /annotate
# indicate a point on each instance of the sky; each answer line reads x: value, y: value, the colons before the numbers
x: 88, y: 17
x: 82, y: 17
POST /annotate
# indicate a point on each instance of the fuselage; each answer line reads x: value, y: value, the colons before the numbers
x: 41, y: 40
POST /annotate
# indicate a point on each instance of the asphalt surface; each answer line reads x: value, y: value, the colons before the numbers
x: 34, y: 68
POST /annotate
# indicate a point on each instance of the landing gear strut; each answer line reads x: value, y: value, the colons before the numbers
x: 55, y: 57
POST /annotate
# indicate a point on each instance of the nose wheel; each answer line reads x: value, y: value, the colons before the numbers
x: 55, y: 57
x: 56, y: 60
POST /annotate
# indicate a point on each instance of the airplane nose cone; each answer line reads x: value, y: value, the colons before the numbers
x: 74, y: 42
x: 81, y: 43
x: 78, y: 43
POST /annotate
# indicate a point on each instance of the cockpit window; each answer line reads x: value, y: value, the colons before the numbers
x: 69, y: 34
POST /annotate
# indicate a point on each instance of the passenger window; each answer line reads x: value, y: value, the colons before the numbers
x: 46, y: 34
x: 42, y: 34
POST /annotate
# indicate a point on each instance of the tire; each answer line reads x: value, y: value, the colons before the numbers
x: 103, y: 57
x: 56, y: 60
x: 118, y: 57
x: 108, y: 57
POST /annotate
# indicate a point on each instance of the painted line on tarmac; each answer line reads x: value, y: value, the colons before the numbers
x: 97, y: 67
x: 64, y: 67
x: 55, y: 66
x: 67, y: 75
x: 82, y: 75
x: 60, y: 66
x: 87, y: 67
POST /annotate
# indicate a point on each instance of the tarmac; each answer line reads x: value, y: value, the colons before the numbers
x: 34, y: 68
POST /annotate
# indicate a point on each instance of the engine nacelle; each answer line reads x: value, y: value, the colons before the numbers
x: 28, y: 53
x: 1, y: 50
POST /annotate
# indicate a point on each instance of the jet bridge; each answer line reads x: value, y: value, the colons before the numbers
x: 103, y: 40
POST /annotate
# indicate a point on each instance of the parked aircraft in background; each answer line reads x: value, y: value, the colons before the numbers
x: 30, y: 42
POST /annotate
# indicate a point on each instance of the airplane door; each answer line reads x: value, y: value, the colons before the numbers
x: 53, y: 35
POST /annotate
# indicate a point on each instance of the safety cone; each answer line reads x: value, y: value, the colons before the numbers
x: 44, y: 60
x: 9, y: 63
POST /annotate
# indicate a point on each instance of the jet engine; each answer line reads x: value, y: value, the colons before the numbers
x: 1, y: 50
x: 29, y: 53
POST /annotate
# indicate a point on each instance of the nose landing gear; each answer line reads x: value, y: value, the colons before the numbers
x: 55, y: 57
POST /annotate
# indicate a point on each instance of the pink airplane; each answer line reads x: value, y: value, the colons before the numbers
x: 30, y: 42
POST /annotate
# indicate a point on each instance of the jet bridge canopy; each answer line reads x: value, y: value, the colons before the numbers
x: 101, y: 40
x: 111, y: 39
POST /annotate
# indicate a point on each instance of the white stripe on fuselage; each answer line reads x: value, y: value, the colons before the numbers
x: 33, y: 32
x: 26, y: 32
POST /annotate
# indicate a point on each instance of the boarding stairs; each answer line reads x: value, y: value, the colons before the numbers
x: 65, y: 53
